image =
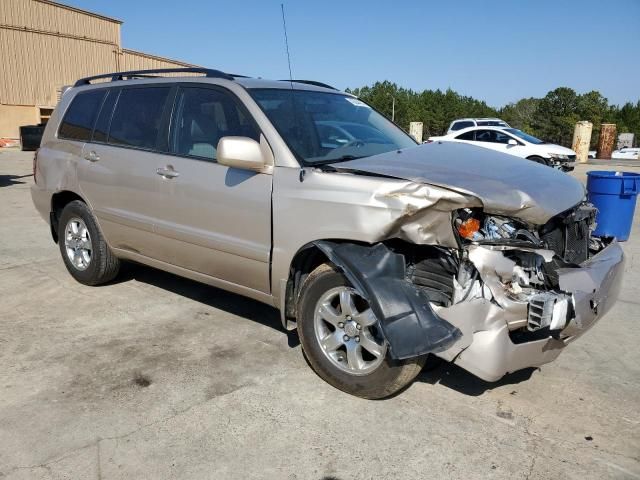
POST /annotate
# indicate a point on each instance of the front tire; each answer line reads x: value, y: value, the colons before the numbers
x: 539, y: 160
x: 83, y: 248
x: 342, y: 340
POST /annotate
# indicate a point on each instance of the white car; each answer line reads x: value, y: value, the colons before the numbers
x: 626, y: 153
x: 515, y: 142
x: 461, y: 123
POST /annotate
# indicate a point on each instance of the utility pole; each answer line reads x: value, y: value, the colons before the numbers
x: 393, y: 108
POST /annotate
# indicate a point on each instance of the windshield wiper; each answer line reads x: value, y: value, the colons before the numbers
x: 343, y: 158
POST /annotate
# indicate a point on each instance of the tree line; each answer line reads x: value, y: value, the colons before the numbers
x: 551, y: 118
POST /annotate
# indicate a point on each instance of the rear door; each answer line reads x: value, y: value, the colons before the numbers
x: 213, y: 219
x: 118, y: 174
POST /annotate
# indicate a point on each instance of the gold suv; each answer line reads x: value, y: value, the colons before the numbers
x: 377, y: 250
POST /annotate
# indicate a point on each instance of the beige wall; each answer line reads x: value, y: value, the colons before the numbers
x: 47, y: 16
x: 133, y: 60
x: 12, y: 116
x: 36, y: 66
x: 45, y: 45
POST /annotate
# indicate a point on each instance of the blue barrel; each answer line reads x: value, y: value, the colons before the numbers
x: 614, y: 195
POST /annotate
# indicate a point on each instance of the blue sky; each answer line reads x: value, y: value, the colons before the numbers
x: 498, y: 51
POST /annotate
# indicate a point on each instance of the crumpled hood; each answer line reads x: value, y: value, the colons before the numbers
x: 505, y: 184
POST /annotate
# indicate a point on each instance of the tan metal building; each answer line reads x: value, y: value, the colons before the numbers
x: 45, y: 45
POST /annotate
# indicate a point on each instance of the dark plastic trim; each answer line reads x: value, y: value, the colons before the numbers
x: 408, y: 322
x: 311, y: 82
x: 208, y: 72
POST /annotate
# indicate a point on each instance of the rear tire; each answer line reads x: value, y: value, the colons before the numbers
x: 372, y: 377
x: 84, y: 250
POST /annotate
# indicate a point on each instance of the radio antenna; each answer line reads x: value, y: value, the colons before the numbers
x: 286, y: 43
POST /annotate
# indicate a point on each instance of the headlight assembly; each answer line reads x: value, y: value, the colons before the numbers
x: 475, y: 226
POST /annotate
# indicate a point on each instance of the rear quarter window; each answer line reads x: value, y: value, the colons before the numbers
x: 80, y: 117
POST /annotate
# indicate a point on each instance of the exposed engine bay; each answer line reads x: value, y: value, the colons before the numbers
x: 512, y: 295
x: 512, y: 264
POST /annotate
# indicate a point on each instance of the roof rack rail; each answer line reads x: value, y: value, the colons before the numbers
x: 312, y: 82
x: 208, y: 72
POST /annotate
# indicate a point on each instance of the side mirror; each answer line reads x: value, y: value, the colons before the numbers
x: 512, y: 142
x: 240, y: 152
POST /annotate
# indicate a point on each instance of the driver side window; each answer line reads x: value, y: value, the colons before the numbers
x: 485, y: 136
x: 502, y: 137
x: 202, y: 117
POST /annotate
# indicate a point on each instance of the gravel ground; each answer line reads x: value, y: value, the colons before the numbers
x: 155, y: 376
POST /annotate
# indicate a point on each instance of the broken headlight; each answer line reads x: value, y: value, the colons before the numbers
x: 474, y: 225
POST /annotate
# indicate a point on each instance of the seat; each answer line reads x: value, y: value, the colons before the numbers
x: 200, y: 136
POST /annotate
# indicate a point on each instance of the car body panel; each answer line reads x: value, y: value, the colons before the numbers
x: 526, y: 190
x: 122, y: 188
x: 215, y: 220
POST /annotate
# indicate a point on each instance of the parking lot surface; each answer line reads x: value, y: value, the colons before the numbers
x: 155, y: 376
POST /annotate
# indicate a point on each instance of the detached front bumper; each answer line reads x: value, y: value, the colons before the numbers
x: 487, y: 349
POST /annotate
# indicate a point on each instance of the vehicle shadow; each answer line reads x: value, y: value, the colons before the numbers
x: 8, y: 180
x: 214, y: 297
x: 455, y: 378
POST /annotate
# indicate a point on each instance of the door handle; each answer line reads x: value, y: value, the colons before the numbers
x: 92, y: 156
x: 167, y: 172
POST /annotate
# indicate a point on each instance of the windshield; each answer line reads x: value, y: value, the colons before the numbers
x: 525, y: 136
x: 324, y: 127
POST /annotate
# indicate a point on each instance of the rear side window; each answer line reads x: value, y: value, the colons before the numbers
x: 203, y: 116
x: 467, y: 135
x: 81, y: 115
x: 461, y: 125
x: 138, y: 117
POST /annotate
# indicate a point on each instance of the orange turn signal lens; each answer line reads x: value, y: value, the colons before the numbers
x: 469, y: 227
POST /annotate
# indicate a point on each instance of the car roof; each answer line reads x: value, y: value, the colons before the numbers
x: 480, y: 127
x: 141, y: 77
x: 283, y: 84
x: 478, y: 119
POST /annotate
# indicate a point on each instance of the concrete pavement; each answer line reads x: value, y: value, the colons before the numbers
x: 155, y: 376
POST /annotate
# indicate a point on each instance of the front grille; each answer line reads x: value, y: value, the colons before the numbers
x: 568, y: 234
x: 577, y: 242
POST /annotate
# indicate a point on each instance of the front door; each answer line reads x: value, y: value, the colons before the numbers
x: 214, y: 219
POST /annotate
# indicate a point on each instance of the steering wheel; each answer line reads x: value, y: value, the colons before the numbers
x: 353, y: 143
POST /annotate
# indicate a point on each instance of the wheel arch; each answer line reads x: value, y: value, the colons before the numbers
x: 59, y: 200
x: 306, y: 260
x: 538, y: 159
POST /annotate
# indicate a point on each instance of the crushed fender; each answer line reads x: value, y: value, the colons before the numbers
x: 408, y: 322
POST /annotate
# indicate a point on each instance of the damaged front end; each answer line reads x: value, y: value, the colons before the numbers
x: 510, y: 296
